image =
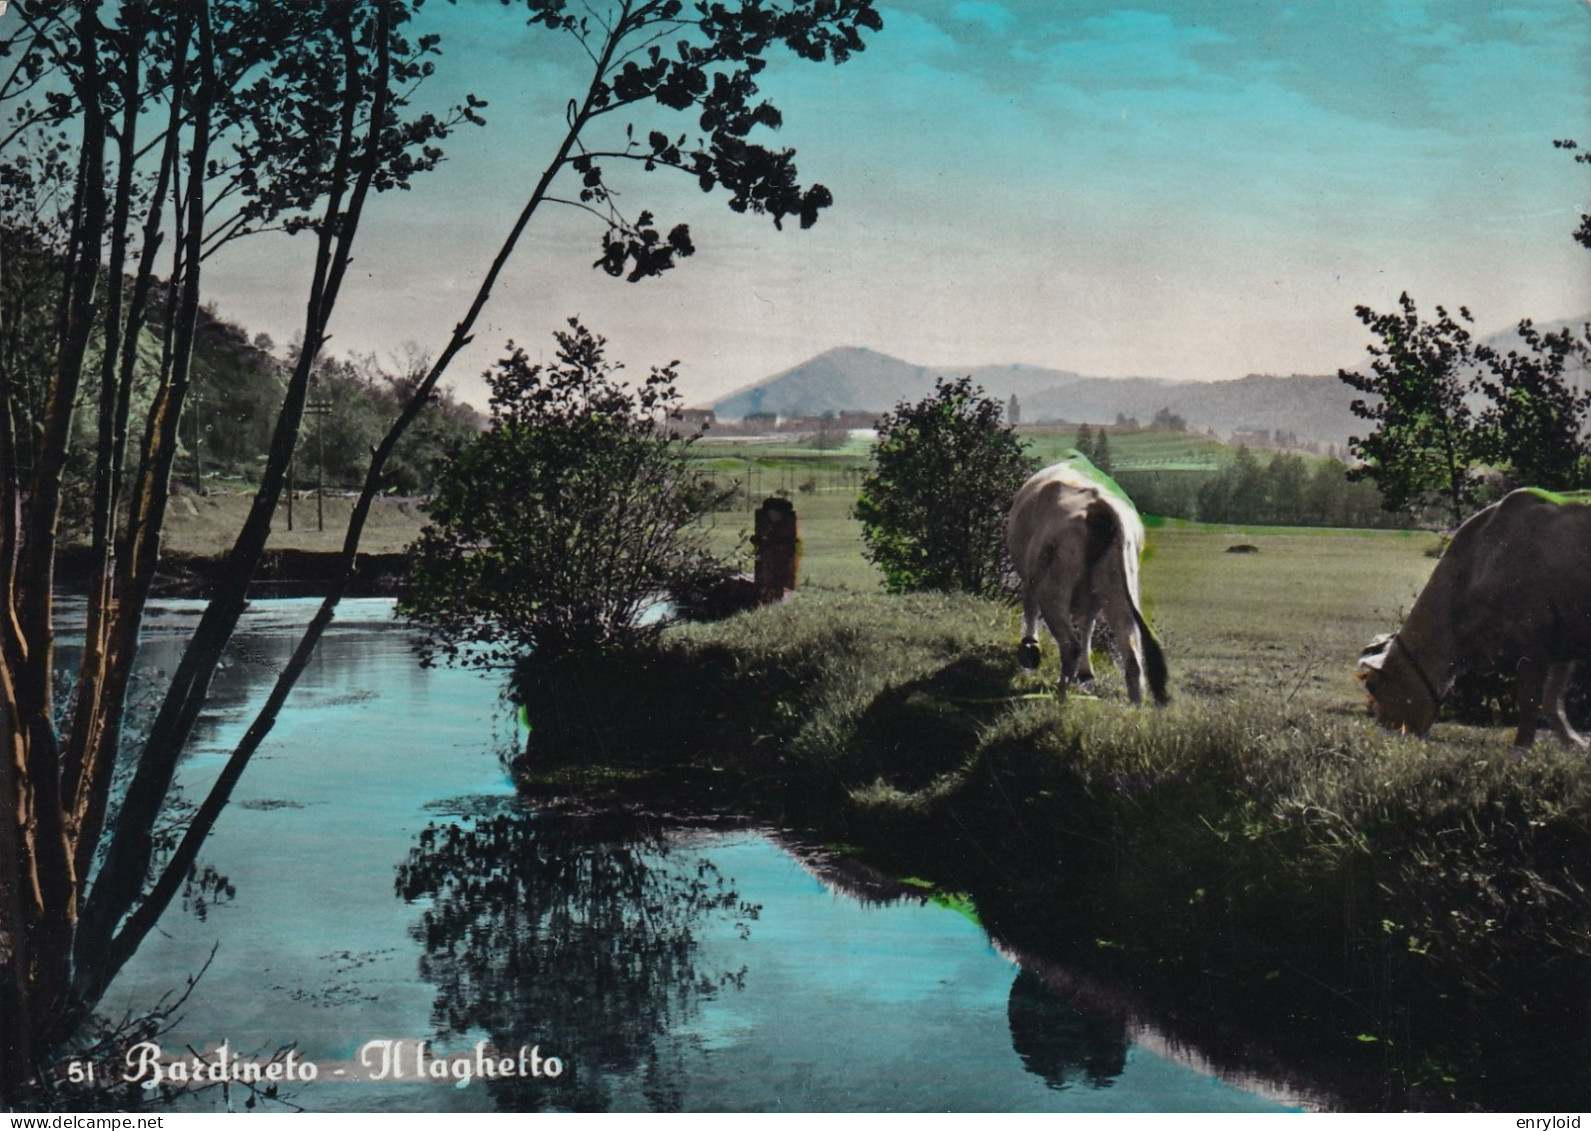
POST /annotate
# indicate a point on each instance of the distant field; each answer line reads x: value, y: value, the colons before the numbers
x: 822, y: 481
x: 1139, y: 450
x: 1143, y: 450
x: 1291, y: 616
x: 205, y: 525
x: 1288, y: 618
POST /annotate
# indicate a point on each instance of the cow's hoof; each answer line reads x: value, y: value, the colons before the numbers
x: 1027, y: 654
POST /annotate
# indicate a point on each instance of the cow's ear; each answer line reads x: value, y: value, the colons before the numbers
x: 1374, y: 655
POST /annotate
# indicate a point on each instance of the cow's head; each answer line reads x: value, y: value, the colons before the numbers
x: 1401, y: 697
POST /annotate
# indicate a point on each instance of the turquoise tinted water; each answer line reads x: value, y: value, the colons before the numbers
x: 664, y: 967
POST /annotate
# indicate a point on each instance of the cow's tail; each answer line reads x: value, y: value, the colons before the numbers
x: 1105, y: 533
x: 1154, y: 658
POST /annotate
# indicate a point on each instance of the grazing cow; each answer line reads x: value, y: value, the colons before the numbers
x: 1513, y: 588
x: 1075, y: 538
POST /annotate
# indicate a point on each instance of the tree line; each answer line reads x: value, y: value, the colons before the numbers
x: 138, y: 140
x: 1283, y: 489
x: 236, y: 383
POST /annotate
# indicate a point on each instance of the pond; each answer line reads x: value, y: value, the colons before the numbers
x: 425, y: 942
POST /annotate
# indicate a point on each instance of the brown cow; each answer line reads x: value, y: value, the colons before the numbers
x: 1514, y: 589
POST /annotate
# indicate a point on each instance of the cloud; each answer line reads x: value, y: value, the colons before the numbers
x: 990, y: 17
x: 1171, y: 187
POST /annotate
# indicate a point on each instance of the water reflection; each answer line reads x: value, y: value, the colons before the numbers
x: 1057, y: 1043
x: 631, y: 953
x: 578, y: 933
x: 624, y: 947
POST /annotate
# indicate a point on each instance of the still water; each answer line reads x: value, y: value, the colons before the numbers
x: 394, y: 906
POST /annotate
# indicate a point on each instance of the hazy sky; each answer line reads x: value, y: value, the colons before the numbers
x: 1176, y: 189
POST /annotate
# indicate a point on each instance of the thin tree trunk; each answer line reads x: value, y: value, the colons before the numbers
x: 142, y: 914
x: 118, y: 890
x: 87, y: 782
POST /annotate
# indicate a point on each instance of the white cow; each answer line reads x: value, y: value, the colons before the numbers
x: 1513, y: 588
x: 1075, y: 538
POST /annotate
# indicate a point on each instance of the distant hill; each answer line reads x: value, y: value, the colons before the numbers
x: 863, y: 380
x: 851, y: 378
x: 1312, y: 408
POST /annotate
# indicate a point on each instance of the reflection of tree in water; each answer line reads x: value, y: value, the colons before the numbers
x: 1058, y: 1043
x: 573, y: 934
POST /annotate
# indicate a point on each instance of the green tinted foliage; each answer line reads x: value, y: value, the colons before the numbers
x: 933, y: 507
x: 1535, y: 423
x: 1423, y: 447
x: 554, y: 530
x: 1430, y: 444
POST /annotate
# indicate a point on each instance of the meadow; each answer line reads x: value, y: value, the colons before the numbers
x: 1257, y: 866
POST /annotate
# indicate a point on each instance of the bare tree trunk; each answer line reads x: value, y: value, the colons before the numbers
x: 119, y: 888
x: 114, y: 952
x: 95, y: 738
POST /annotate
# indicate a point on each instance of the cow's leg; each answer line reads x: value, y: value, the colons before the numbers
x: 1057, y: 618
x: 1074, y: 657
x: 1085, y: 614
x: 1552, y: 704
x: 1027, y: 652
x: 1125, y: 629
x: 1085, y: 635
x: 1532, y: 689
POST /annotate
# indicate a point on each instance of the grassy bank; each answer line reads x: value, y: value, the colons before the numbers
x: 1255, y: 859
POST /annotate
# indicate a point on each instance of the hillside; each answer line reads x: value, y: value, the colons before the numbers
x: 862, y: 380
x: 851, y: 379
x: 1313, y: 408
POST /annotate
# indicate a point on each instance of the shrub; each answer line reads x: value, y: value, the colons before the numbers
x: 933, y: 507
x: 553, y: 531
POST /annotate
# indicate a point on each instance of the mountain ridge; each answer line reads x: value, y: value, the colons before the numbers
x: 1309, y: 407
x: 857, y: 379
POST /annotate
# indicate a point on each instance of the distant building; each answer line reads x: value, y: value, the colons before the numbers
x: 768, y: 420
x: 697, y: 419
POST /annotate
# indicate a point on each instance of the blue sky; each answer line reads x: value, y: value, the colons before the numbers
x: 1174, y: 189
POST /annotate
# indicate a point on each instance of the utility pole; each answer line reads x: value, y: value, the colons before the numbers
x: 198, y: 435
x: 320, y: 410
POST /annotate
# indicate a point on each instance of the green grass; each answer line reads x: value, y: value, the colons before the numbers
x: 1286, y: 621
x: 206, y: 525
x: 1410, y: 911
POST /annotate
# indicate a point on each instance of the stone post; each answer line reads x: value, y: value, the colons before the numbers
x: 777, y: 539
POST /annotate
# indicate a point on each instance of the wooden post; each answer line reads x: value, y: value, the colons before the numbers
x: 777, y: 538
